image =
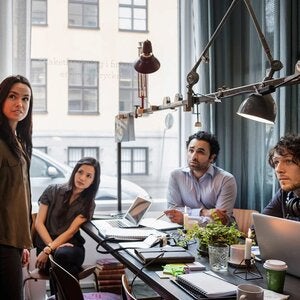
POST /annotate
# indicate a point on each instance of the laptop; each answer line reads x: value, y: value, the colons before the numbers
x: 133, y: 216
x: 278, y: 238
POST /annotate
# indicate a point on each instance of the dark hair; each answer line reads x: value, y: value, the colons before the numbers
x: 288, y: 144
x: 208, y: 137
x: 89, y: 193
x: 24, y: 127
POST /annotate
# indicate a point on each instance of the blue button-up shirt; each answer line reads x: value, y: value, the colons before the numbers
x: 215, y: 189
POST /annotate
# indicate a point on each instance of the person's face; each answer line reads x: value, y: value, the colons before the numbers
x: 84, y: 177
x: 17, y: 103
x: 198, y: 155
x: 287, y: 171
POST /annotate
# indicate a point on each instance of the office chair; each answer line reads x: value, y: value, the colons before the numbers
x: 68, y: 288
x: 36, y: 274
x: 243, y: 218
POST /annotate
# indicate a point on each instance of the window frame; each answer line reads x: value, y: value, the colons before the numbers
x: 84, y: 3
x: 44, y: 16
x: 83, y: 150
x: 83, y: 88
x: 38, y: 85
x: 132, y: 7
x: 132, y: 160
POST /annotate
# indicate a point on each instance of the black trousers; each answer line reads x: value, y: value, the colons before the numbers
x: 11, y: 277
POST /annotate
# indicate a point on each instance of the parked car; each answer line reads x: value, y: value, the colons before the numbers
x: 46, y: 170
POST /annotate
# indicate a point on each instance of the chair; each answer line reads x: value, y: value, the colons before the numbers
x: 243, y: 218
x: 127, y: 294
x: 68, y: 287
x: 36, y: 274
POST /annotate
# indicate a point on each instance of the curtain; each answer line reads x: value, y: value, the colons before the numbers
x: 15, y: 29
x: 237, y: 58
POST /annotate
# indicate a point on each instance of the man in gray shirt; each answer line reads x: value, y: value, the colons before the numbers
x: 201, y: 189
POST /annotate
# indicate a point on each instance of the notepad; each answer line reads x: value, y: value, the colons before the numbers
x: 206, y: 284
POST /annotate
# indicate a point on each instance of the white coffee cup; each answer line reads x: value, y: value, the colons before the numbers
x: 237, y: 253
x: 250, y: 292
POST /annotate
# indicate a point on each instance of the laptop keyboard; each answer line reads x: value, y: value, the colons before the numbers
x: 116, y: 223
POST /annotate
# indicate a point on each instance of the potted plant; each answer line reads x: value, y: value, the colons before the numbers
x: 214, y: 234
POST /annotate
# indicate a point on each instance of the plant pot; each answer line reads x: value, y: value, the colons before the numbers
x: 203, y: 251
x: 218, y: 257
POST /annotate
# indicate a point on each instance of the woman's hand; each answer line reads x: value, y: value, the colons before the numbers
x: 41, y: 260
x: 25, y: 257
x: 174, y: 215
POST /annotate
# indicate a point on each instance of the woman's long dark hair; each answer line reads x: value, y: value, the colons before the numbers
x: 90, y: 193
x: 24, y: 127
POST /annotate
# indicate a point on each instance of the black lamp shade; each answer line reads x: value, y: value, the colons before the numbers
x: 259, y: 108
x: 147, y: 62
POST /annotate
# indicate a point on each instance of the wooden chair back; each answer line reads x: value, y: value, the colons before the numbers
x: 126, y: 290
x: 243, y: 219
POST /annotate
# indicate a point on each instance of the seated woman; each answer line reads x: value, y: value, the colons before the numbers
x: 63, y: 208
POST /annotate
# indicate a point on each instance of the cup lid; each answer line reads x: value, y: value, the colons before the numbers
x: 274, y: 264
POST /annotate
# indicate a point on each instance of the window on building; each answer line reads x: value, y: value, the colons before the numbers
x: 133, y: 15
x: 39, y: 12
x: 134, y: 160
x: 42, y: 149
x: 128, y: 87
x: 39, y: 84
x: 83, y: 87
x: 76, y: 153
x: 84, y: 13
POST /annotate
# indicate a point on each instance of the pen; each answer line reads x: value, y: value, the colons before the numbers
x: 165, y: 213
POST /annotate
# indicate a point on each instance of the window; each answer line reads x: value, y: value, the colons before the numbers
x: 39, y: 12
x: 133, y: 15
x: 76, y: 153
x: 128, y: 87
x: 83, y: 87
x: 42, y: 149
x: 39, y: 84
x: 135, y: 161
x: 83, y: 13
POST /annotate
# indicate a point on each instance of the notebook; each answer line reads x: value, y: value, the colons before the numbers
x: 278, y: 238
x: 206, y: 284
x: 133, y: 216
x: 124, y: 234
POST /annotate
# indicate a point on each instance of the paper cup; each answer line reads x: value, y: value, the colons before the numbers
x: 275, y: 271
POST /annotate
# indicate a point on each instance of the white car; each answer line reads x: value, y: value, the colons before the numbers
x: 45, y: 170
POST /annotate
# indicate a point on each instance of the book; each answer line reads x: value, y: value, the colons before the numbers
x: 164, y: 255
x: 207, y: 284
x: 110, y: 282
x: 109, y: 274
x: 108, y: 263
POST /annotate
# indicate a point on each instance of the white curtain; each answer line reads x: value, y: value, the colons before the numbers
x: 15, y: 28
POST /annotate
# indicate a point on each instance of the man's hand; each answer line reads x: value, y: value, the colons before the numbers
x: 174, y: 215
x: 25, y: 257
x: 215, y: 213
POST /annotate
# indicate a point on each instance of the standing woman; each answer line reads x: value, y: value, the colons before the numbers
x: 15, y: 196
x: 63, y: 208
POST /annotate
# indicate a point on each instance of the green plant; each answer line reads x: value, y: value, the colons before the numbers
x: 217, y: 234
x: 214, y: 233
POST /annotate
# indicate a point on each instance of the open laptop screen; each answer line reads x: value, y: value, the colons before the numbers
x: 278, y: 238
x: 137, y: 210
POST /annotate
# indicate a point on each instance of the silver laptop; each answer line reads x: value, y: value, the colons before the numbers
x: 133, y: 216
x: 278, y: 238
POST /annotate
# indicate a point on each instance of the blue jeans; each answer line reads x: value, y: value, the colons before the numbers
x: 11, y: 277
